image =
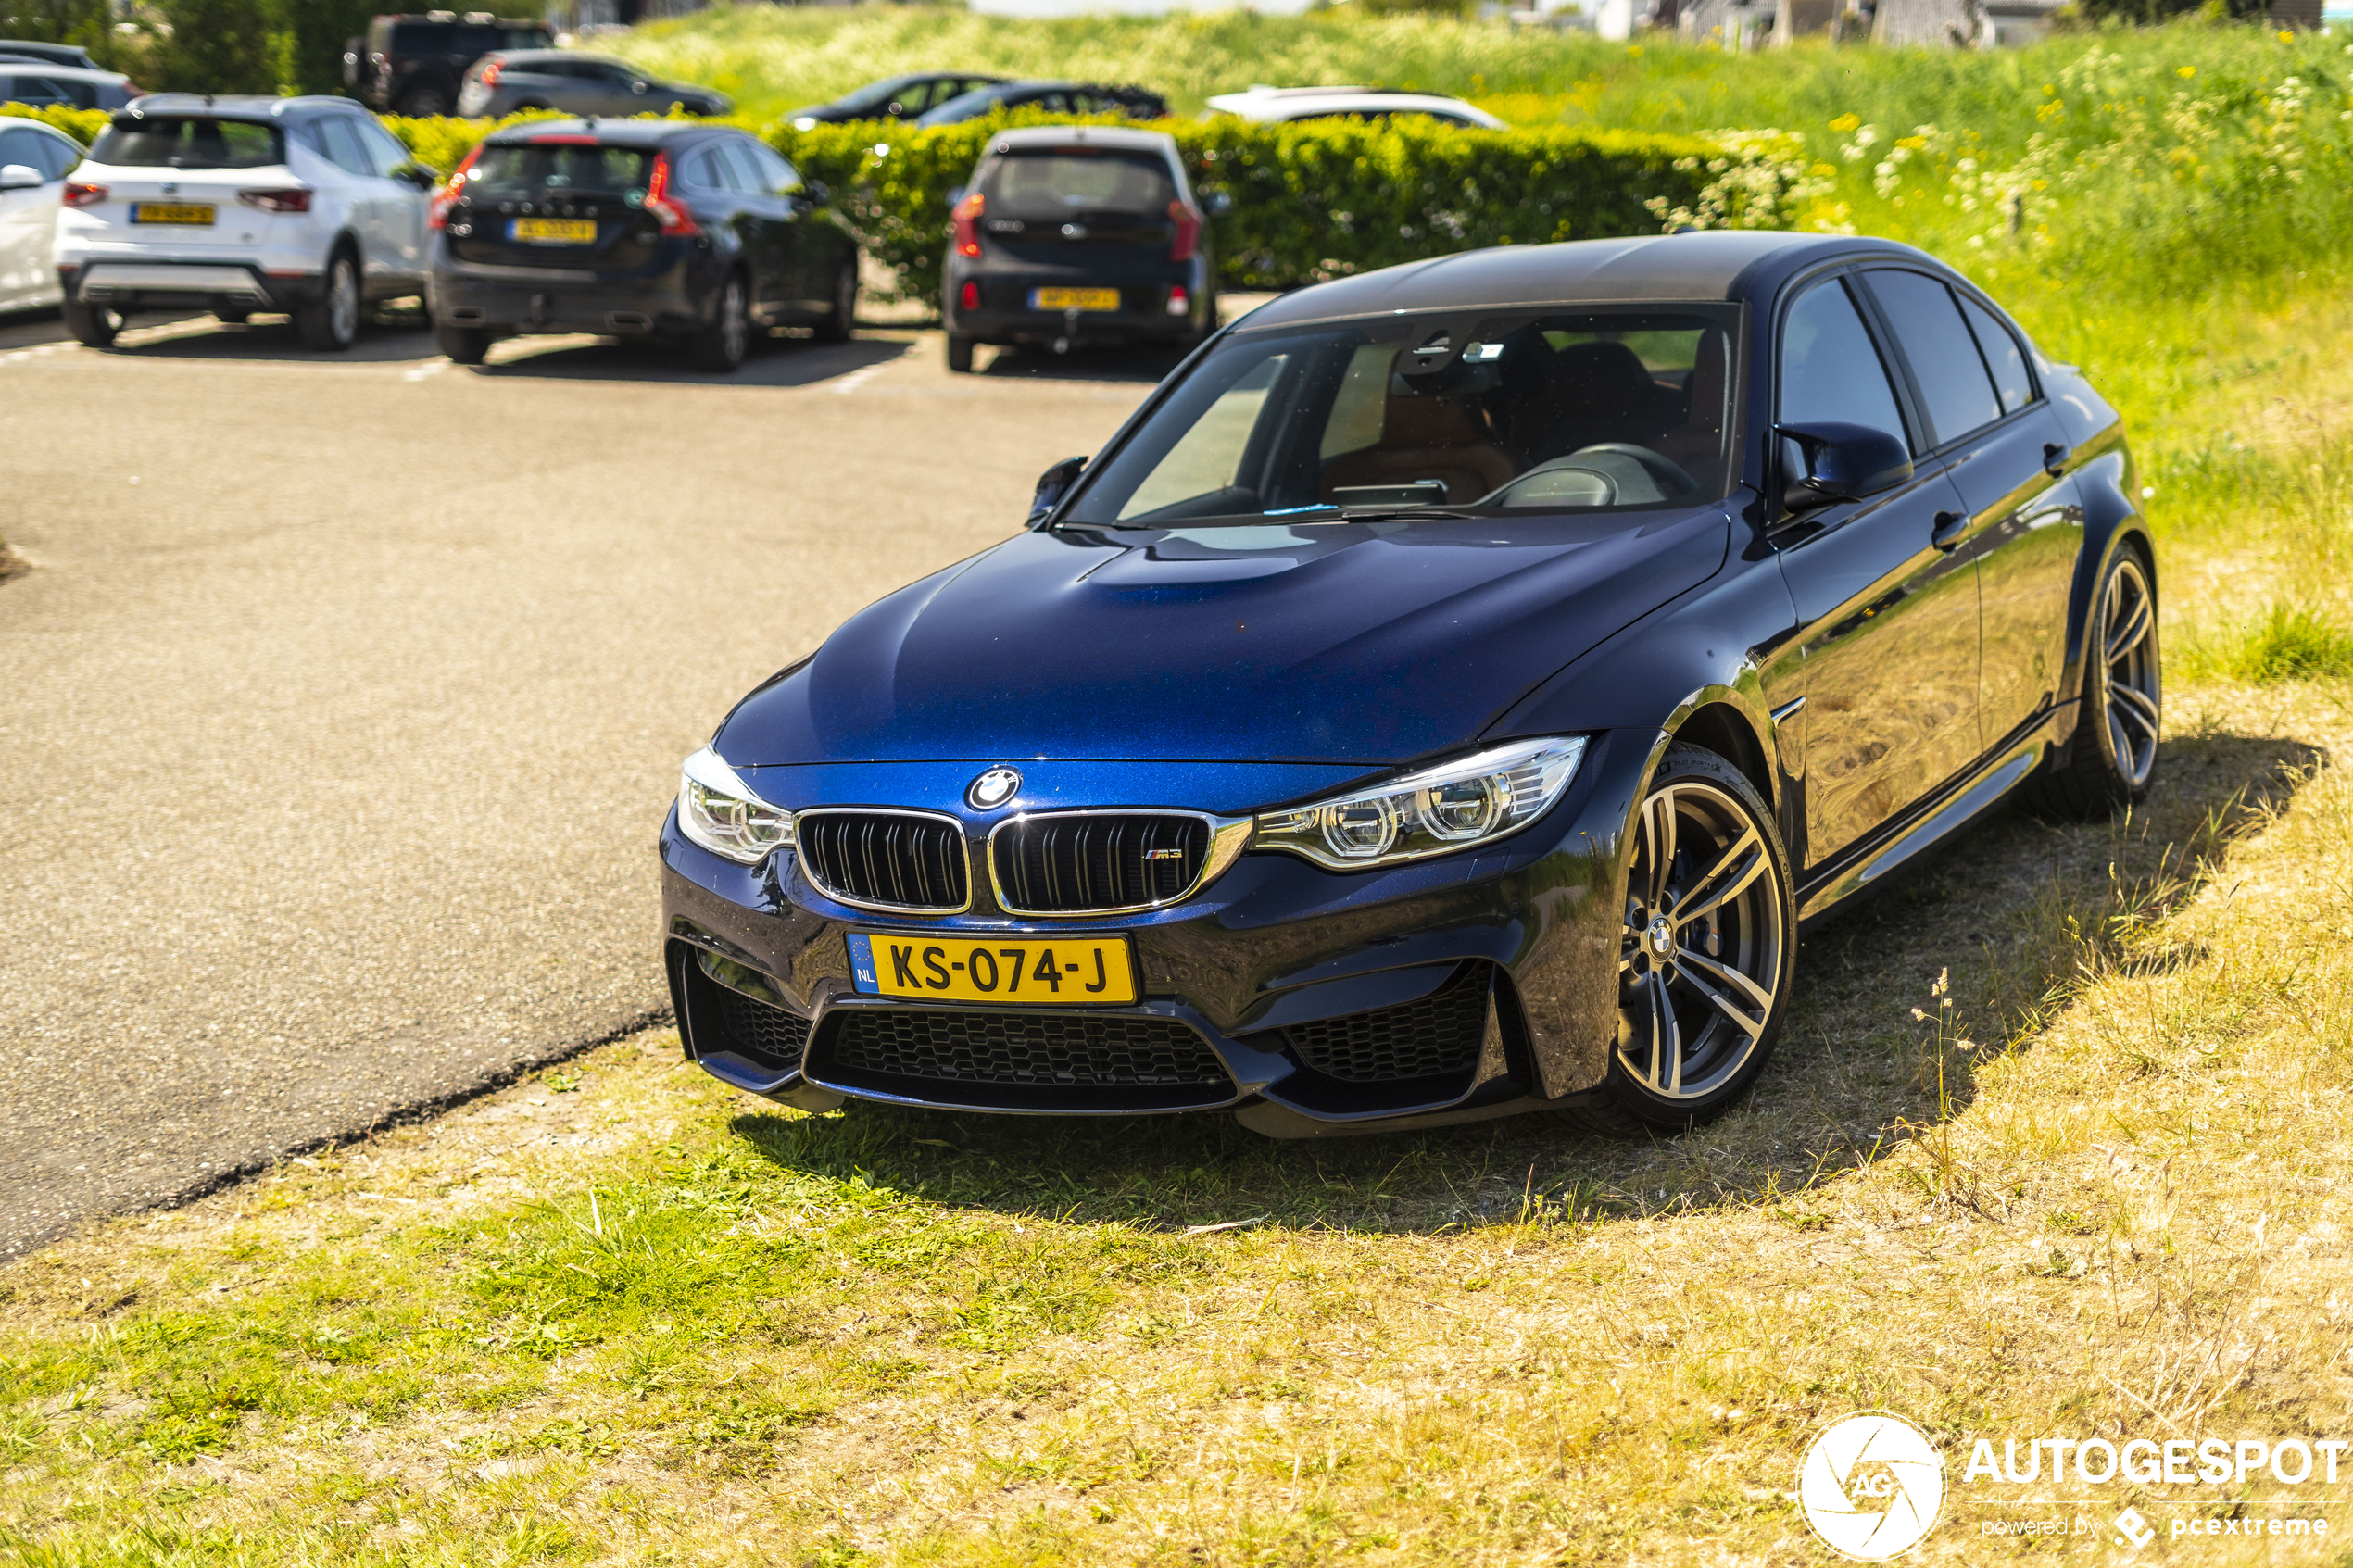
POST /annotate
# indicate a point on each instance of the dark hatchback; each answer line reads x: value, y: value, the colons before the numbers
x: 1071, y: 234
x: 413, y: 64
x: 1048, y: 97
x: 894, y: 98
x: 1444, y: 698
x: 696, y: 234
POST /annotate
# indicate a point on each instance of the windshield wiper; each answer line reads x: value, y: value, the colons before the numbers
x: 1396, y: 514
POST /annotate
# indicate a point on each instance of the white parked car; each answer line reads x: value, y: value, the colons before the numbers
x: 35, y: 161
x: 242, y: 205
x: 1268, y: 104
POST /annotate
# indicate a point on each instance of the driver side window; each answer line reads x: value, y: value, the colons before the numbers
x: 1831, y: 372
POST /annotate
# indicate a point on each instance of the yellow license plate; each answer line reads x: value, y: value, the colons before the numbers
x: 1074, y: 300
x: 554, y: 231
x: 1035, y: 972
x: 198, y: 214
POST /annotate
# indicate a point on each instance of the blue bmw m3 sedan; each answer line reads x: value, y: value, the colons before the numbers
x: 1445, y: 697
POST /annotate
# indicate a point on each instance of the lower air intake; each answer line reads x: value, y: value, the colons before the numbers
x: 1440, y: 1034
x: 1040, y: 1061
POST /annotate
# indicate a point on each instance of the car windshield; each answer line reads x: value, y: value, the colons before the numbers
x: 875, y: 94
x: 1534, y: 411
x: 191, y: 142
x: 570, y: 166
x: 1054, y: 184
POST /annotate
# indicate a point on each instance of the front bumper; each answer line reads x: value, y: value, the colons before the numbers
x: 1306, y: 1001
x: 180, y: 285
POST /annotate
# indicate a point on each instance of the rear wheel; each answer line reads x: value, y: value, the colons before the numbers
x: 723, y: 345
x: 464, y: 345
x: 93, y: 325
x: 1706, y: 953
x: 425, y: 103
x: 2110, y: 760
x: 233, y: 318
x: 330, y: 322
x: 960, y: 353
x: 841, y: 319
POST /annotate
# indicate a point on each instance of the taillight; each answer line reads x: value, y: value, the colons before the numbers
x: 672, y: 215
x: 1188, y: 238
x: 80, y: 195
x: 967, y: 216
x: 437, y: 215
x: 489, y: 77
x: 288, y: 200
x: 968, y: 297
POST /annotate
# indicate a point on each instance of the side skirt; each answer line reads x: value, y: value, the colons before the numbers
x: 1968, y: 798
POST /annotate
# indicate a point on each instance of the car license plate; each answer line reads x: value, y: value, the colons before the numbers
x: 1039, y: 971
x: 553, y: 230
x: 1074, y: 300
x: 192, y: 214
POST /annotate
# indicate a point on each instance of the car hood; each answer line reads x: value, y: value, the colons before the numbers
x: 1362, y: 643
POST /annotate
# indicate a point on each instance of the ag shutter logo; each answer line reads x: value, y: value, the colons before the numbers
x: 1872, y: 1486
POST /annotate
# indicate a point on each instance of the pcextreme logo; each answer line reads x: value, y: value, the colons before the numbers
x: 1871, y: 1485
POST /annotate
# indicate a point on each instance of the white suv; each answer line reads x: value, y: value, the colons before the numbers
x: 242, y: 205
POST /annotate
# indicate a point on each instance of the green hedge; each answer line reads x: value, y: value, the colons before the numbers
x: 1309, y: 201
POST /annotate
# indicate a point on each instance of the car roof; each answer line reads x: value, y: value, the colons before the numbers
x: 1709, y: 265
x: 1299, y: 103
x: 18, y: 122
x: 1032, y: 136
x: 236, y: 105
x: 560, y: 55
x: 633, y: 133
x: 39, y: 49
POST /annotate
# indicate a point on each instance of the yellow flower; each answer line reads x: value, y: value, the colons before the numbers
x: 2186, y: 72
x: 1846, y: 122
x: 2288, y: 38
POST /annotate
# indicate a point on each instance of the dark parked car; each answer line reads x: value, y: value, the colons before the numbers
x: 696, y: 233
x: 413, y: 64
x: 72, y: 55
x: 1080, y: 233
x: 1053, y: 97
x: 1444, y: 698
x: 501, y: 84
x: 894, y: 98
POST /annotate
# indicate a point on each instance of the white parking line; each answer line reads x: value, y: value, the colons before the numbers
x: 859, y: 378
x: 430, y: 367
x: 36, y: 350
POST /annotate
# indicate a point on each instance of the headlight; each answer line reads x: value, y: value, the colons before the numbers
x: 719, y: 811
x: 1472, y: 800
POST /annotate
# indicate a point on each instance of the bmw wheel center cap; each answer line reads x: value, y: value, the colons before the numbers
x: 993, y: 788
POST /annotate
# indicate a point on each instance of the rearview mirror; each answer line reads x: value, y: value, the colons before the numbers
x: 20, y: 177
x: 1053, y: 486
x: 1842, y: 462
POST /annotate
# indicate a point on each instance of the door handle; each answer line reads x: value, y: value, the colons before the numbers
x: 1949, y: 528
x: 2055, y: 455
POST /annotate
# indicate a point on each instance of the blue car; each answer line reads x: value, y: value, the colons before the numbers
x: 1445, y: 697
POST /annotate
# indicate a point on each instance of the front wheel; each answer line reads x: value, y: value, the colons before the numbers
x: 464, y: 345
x: 93, y: 325
x: 332, y: 322
x: 2113, y: 753
x: 1706, y: 950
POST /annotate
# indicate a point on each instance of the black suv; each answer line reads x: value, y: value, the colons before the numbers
x: 645, y: 228
x: 411, y: 64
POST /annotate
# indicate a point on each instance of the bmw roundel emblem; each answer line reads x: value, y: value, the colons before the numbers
x: 993, y: 788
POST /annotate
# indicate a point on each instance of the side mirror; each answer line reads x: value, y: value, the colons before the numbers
x: 1842, y: 462
x: 424, y: 176
x: 817, y: 190
x: 1053, y: 486
x: 1217, y: 203
x: 20, y: 177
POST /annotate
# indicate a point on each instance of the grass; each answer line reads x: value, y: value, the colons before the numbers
x: 620, y: 1314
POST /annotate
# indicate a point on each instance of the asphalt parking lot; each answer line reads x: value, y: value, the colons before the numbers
x: 340, y: 711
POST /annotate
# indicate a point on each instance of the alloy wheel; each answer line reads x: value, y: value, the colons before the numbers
x: 343, y: 302
x: 732, y: 324
x: 1701, y: 955
x: 2130, y: 692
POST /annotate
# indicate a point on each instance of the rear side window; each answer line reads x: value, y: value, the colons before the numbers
x: 524, y: 168
x: 191, y: 142
x: 2003, y: 357
x: 1936, y: 343
x: 1064, y: 180
x: 340, y: 141
x: 1831, y: 372
x: 419, y: 38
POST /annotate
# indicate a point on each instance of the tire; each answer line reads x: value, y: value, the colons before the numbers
x: 92, y: 325
x: 723, y: 345
x: 464, y: 345
x: 841, y: 320
x: 233, y: 318
x: 330, y: 322
x: 425, y: 103
x: 1707, y: 951
x: 2112, y: 756
x: 960, y: 354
